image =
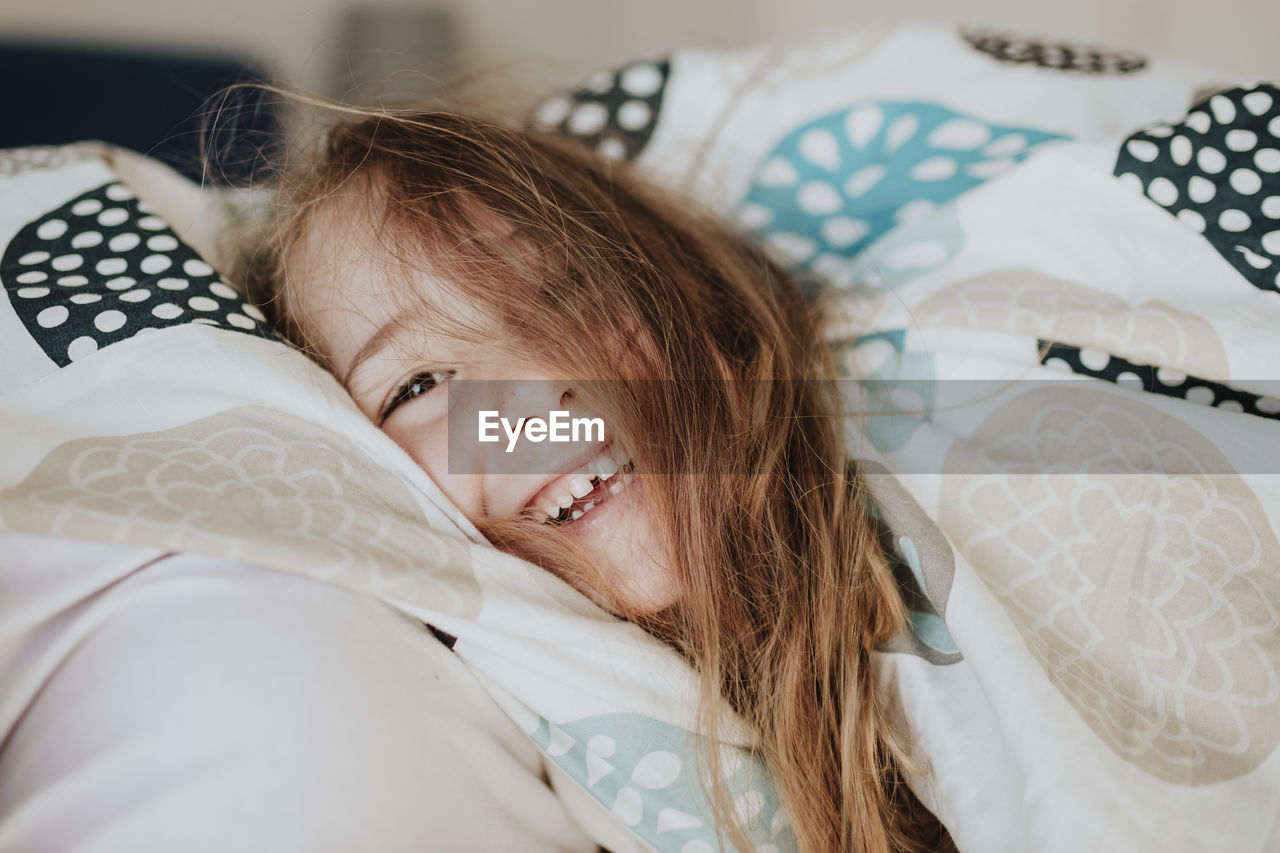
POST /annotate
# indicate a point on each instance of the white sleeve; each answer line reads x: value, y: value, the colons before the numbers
x: 175, y: 702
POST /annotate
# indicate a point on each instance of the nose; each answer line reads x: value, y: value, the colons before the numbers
x: 539, y: 444
x: 532, y: 397
x: 524, y: 422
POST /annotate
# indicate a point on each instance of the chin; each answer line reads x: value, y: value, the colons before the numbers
x: 638, y: 572
x: 641, y: 574
x: 648, y: 592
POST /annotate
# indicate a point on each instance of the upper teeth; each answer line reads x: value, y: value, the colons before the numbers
x: 606, y: 467
x: 583, y: 480
x: 580, y: 484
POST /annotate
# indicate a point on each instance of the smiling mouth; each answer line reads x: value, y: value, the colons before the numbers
x: 574, y: 495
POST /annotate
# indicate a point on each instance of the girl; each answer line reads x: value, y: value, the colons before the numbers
x: 720, y: 512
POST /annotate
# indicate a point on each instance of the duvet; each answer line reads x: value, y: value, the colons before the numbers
x: 1053, y: 277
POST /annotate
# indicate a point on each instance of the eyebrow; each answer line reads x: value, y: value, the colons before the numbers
x: 376, y: 343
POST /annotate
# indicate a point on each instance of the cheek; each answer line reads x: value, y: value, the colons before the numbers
x: 428, y: 445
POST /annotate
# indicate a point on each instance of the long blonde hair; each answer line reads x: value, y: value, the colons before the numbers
x: 786, y: 587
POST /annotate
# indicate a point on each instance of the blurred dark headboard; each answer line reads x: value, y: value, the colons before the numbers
x: 147, y: 100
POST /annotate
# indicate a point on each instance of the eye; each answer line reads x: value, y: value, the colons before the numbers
x: 416, y: 386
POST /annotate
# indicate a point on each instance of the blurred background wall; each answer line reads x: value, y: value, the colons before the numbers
x: 538, y: 44
x: 137, y: 72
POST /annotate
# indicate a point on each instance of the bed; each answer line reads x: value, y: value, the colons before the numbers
x: 1053, y: 276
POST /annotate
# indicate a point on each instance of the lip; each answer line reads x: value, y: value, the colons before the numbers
x: 550, y: 492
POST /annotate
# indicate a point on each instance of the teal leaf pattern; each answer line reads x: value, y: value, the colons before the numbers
x: 644, y: 771
x: 923, y: 564
x: 833, y: 186
x: 896, y: 393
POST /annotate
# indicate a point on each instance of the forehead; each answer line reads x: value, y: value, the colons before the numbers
x: 349, y: 280
x: 339, y: 286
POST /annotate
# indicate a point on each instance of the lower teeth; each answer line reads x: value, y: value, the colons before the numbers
x: 570, y: 514
x: 579, y: 513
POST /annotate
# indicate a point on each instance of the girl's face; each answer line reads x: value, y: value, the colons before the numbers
x: 397, y: 369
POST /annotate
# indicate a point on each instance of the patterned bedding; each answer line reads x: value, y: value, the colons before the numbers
x: 1053, y: 276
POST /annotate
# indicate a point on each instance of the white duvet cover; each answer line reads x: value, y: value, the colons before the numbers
x: 1053, y: 274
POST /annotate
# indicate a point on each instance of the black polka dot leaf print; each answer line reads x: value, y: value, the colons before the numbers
x: 1052, y: 54
x: 1218, y: 172
x: 615, y: 112
x: 1156, y: 380
x: 103, y: 268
